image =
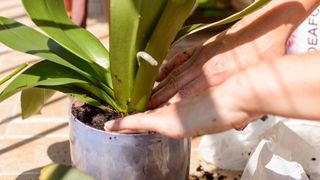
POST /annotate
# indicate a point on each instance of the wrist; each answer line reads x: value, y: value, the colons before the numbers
x: 234, y: 105
x: 248, y: 92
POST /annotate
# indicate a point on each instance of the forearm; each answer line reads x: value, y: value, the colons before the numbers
x: 289, y: 86
x: 287, y: 13
x: 264, y: 33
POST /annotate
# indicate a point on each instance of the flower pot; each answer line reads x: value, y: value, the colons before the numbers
x: 113, y: 156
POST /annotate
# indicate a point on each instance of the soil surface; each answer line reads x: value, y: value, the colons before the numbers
x: 93, y: 116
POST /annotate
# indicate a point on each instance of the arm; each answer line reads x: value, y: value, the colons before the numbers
x: 261, y: 35
x: 287, y: 87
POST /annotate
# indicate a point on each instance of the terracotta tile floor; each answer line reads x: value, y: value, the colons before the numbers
x: 27, y: 145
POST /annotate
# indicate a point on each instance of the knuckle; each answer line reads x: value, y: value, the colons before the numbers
x: 171, y: 128
x: 165, y: 69
x: 175, y: 73
x: 175, y: 133
x: 185, y: 93
x: 173, y: 84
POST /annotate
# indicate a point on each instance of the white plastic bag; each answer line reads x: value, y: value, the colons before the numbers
x: 231, y: 149
x: 283, y: 154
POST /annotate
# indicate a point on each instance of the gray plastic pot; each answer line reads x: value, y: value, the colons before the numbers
x: 111, y: 156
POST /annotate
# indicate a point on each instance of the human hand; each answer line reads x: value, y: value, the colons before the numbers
x: 212, y: 62
x: 285, y: 86
x: 213, y: 111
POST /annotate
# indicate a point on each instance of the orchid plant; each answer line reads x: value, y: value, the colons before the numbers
x: 76, y: 63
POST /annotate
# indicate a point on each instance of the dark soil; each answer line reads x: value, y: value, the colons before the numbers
x: 93, y: 116
x: 212, y: 175
x: 264, y: 118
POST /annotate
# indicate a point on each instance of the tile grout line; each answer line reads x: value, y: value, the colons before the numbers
x: 19, y: 173
x: 12, y: 137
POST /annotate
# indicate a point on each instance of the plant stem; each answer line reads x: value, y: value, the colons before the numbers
x: 171, y: 21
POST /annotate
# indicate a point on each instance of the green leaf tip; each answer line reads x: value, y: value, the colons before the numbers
x: 62, y: 172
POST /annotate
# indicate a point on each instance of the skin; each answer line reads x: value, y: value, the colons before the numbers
x: 227, y: 81
x: 292, y: 83
x: 262, y: 35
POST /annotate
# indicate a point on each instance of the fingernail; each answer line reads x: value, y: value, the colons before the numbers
x: 108, y: 125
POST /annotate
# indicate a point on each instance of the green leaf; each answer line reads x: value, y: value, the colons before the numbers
x: 124, y: 23
x: 44, y: 73
x: 86, y: 41
x: 150, y: 12
x: 80, y: 94
x: 62, y: 172
x: 188, y: 30
x: 33, y: 99
x: 131, y: 25
x: 24, y: 39
x: 99, y: 94
x: 170, y: 22
x: 51, y: 17
x: 15, y: 72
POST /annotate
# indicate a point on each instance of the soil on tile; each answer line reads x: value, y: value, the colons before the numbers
x: 93, y: 116
x: 217, y: 174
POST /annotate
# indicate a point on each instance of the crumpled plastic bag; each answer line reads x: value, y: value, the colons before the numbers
x: 282, y: 154
x: 232, y: 149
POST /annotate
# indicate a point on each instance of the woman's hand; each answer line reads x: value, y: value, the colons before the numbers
x: 213, y: 111
x: 262, y: 35
x: 287, y: 86
x: 212, y: 62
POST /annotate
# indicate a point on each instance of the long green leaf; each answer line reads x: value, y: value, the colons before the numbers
x: 51, y: 17
x: 172, y: 19
x: 124, y: 23
x: 62, y: 172
x: 191, y: 29
x: 80, y: 94
x: 15, y: 72
x: 42, y: 17
x: 44, y: 73
x: 131, y: 25
x: 99, y: 94
x: 150, y: 12
x: 87, y: 42
x: 33, y: 99
x: 24, y: 39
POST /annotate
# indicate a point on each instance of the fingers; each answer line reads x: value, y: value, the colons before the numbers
x: 198, y: 115
x: 174, y: 82
x: 193, y: 88
x: 173, y: 63
x: 190, y: 82
x: 198, y: 85
x: 133, y: 123
x: 163, y: 122
x: 170, y: 87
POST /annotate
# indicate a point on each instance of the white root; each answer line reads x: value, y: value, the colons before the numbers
x: 142, y: 55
